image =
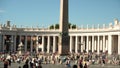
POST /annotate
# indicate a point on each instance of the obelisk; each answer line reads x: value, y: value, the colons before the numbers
x: 64, y: 36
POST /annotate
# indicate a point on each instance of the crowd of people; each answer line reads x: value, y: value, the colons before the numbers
x: 81, y: 60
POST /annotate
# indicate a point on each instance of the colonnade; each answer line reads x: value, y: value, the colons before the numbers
x: 88, y: 43
x: 7, y: 42
x: 48, y: 43
x: 95, y: 43
x: 30, y: 43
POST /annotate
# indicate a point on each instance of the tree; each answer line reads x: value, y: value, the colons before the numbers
x: 57, y: 26
x: 69, y: 25
x: 51, y: 27
x: 73, y: 26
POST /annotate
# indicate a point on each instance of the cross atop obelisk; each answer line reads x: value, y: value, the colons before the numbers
x: 63, y: 38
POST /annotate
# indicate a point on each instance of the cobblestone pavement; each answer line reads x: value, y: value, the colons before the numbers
x: 15, y: 65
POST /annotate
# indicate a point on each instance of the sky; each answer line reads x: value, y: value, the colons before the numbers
x: 43, y: 13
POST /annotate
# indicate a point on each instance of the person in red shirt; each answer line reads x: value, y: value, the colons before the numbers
x: 80, y: 62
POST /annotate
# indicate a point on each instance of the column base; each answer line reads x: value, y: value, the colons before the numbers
x: 63, y: 50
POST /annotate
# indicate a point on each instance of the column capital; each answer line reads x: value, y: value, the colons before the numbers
x: 104, y: 35
x: 119, y: 34
x: 109, y: 34
x: 31, y: 35
x: 87, y: 35
x: 82, y: 35
x: 76, y: 35
x: 93, y: 35
x: 98, y: 35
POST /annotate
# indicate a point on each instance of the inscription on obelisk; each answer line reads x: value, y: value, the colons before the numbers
x: 63, y: 38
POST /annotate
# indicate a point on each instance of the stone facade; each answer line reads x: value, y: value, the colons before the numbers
x: 45, y: 40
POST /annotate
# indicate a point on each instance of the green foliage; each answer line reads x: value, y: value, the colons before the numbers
x: 51, y: 27
x: 73, y: 26
x: 57, y: 26
x: 69, y: 25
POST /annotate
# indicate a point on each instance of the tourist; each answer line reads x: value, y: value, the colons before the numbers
x: 68, y: 63
x: 9, y: 60
x: 103, y: 61
x: 19, y: 67
x: 26, y: 64
x: 80, y: 62
x: 85, y: 66
x: 39, y: 66
x: 6, y: 63
x: 31, y: 64
x: 75, y: 66
x: 119, y: 62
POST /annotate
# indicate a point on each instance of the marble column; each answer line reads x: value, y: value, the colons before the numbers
x: 119, y: 44
x: 31, y: 45
x: 106, y: 48
x: 48, y: 45
x: 3, y: 43
x: 93, y: 47
x: 43, y: 44
x: 98, y: 46
x: 37, y: 40
x: 37, y: 43
x: 54, y: 44
x: 0, y: 42
x: 81, y: 44
x: 20, y: 40
x: 103, y: 43
x: 95, y: 44
x: 110, y: 44
x: 76, y: 45
x: 71, y: 40
x: 87, y: 44
x: 25, y: 44
x: 14, y: 43
x: 11, y: 43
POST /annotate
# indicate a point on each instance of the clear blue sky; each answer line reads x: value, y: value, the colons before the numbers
x: 46, y: 12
